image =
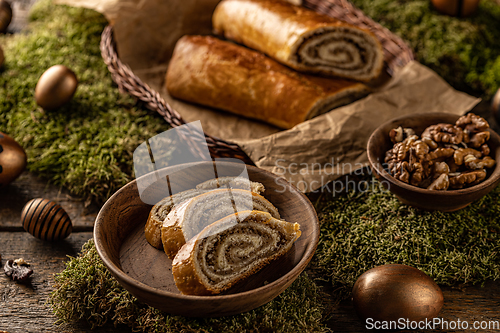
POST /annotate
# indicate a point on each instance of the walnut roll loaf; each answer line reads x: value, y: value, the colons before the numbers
x: 301, y: 38
x: 187, y: 220
x: 230, y: 250
x: 233, y: 78
x: 159, y: 212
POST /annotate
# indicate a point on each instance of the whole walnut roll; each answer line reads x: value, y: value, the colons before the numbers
x: 222, y: 75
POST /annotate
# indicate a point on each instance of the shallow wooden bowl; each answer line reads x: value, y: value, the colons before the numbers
x: 446, y: 201
x: 147, y: 272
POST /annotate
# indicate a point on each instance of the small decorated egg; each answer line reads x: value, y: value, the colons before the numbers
x: 495, y: 106
x: 460, y: 8
x: 12, y: 159
x: 390, y: 292
x: 5, y: 15
x: 46, y: 220
x: 56, y: 87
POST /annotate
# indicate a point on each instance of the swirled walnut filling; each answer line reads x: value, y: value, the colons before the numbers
x: 343, y: 50
x: 240, y: 250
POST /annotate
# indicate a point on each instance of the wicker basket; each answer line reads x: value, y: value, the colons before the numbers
x: 396, y: 55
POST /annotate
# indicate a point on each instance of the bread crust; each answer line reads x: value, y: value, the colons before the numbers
x: 222, y: 75
x: 159, y: 212
x: 187, y: 278
x: 172, y: 233
x: 152, y: 229
x: 279, y: 28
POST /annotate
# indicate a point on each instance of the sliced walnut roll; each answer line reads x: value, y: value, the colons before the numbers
x: 159, y: 212
x: 188, y: 219
x: 230, y: 250
x: 301, y: 38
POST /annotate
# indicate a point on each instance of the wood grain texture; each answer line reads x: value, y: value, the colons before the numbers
x: 23, y: 308
x: 145, y: 271
x: 14, y: 196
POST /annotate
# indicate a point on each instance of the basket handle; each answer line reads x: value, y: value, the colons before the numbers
x: 130, y: 84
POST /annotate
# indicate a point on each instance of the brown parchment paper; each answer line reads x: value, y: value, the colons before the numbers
x: 312, y: 153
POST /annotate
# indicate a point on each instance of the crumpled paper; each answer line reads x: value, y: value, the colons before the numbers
x: 309, y: 155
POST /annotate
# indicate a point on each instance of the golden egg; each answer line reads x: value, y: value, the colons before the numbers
x: 461, y: 8
x: 495, y: 106
x: 12, y: 159
x: 46, y: 220
x: 55, y: 87
x: 396, y: 292
x: 5, y: 15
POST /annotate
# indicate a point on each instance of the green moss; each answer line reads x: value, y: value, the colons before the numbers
x: 362, y: 230
x: 464, y: 51
x: 86, y: 145
x: 86, y: 291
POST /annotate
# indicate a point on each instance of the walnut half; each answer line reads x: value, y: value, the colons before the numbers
x: 18, y: 270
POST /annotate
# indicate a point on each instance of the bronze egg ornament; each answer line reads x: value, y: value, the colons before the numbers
x: 46, y: 220
x: 13, y: 159
x: 460, y: 8
x: 56, y: 87
x: 5, y: 15
x: 495, y: 106
x: 397, y: 294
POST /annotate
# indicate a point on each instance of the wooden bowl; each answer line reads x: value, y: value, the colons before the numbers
x: 445, y: 201
x: 147, y: 272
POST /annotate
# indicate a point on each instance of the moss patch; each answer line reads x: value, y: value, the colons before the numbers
x: 365, y: 229
x: 86, y: 145
x: 86, y: 291
x: 464, y: 51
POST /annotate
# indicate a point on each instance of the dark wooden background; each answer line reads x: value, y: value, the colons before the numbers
x: 23, y: 308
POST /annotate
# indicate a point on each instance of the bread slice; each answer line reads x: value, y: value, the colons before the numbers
x: 159, y: 212
x: 230, y: 250
x: 192, y: 216
x: 232, y: 182
x: 300, y: 38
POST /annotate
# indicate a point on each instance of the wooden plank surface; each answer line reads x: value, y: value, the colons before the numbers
x: 14, y: 196
x: 23, y: 308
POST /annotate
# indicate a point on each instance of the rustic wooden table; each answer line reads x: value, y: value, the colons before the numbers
x: 23, y: 308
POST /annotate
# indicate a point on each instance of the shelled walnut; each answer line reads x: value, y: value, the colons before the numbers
x: 446, y: 156
x: 18, y: 270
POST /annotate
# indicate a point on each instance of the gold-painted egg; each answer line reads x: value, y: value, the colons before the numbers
x: 56, y: 87
x: 396, y: 292
x: 12, y: 159
x: 460, y: 8
x: 5, y: 15
x: 46, y: 220
x: 495, y: 106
